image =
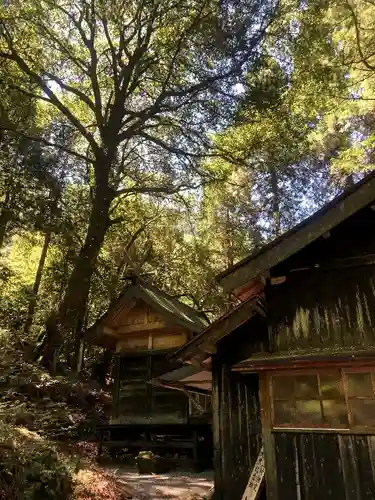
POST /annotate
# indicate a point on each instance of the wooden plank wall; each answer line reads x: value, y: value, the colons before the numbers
x: 330, y: 305
x: 152, y: 340
x: 323, y: 310
x: 313, y: 466
x: 237, y: 432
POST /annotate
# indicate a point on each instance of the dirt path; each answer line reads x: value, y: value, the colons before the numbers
x: 172, y: 486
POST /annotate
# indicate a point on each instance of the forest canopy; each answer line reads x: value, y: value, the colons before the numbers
x: 169, y: 138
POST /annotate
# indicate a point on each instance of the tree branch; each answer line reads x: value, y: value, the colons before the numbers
x: 14, y: 56
x: 172, y: 149
x: 168, y: 190
x: 28, y: 93
x: 83, y: 97
x: 80, y: 63
x: 94, y: 70
x: 45, y: 142
x: 364, y: 59
x: 156, y: 189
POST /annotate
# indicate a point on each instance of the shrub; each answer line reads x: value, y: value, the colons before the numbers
x: 31, y: 468
x: 57, y: 407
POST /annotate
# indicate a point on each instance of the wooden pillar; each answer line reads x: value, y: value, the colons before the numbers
x: 268, y: 441
x: 216, y: 388
x: 149, y: 390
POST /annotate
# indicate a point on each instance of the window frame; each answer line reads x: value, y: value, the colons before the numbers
x: 350, y: 428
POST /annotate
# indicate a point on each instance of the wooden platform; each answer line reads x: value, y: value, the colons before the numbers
x: 193, y: 439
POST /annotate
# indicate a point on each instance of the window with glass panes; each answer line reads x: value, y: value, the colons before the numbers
x: 336, y: 399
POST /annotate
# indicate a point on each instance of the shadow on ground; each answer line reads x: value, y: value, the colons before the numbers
x: 172, y: 486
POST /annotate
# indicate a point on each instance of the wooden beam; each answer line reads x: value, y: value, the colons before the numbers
x: 109, y: 331
x: 123, y: 307
x: 348, y: 262
x: 198, y: 359
x: 251, y: 289
x: 295, y: 361
x: 222, y: 327
x: 278, y: 280
x: 179, y: 386
x: 148, y: 443
x: 140, y: 327
x: 209, y: 348
x: 196, y: 382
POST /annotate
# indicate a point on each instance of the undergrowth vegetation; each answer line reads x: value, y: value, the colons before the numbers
x: 44, y: 423
x: 31, y: 467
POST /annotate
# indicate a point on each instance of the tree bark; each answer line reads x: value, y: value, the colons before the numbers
x: 5, y: 217
x: 80, y: 357
x: 38, y: 280
x: 70, y: 315
x: 349, y: 181
x: 229, y: 240
x: 275, y: 201
x: 101, y: 368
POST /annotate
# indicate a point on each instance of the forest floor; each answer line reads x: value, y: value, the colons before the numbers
x: 176, y: 485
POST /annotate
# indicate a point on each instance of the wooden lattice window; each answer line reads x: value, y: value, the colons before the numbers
x: 199, y: 404
x: 330, y: 399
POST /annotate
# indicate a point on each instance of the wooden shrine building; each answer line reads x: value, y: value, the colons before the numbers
x: 293, y: 364
x: 142, y: 328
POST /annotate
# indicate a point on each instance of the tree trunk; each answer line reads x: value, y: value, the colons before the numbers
x: 275, y: 201
x: 4, y: 218
x: 229, y: 240
x: 38, y: 279
x: 70, y: 315
x: 100, y: 369
x: 349, y: 181
x: 80, y: 356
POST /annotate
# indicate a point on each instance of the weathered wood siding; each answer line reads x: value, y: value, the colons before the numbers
x: 140, y: 314
x: 157, y: 340
x: 328, y: 297
x: 144, y: 328
x: 326, y: 304
x: 237, y: 433
x: 311, y: 466
x: 140, y: 402
x: 323, y: 309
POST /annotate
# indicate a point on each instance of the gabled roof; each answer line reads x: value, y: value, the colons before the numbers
x: 172, y: 309
x: 204, y: 344
x: 332, y: 214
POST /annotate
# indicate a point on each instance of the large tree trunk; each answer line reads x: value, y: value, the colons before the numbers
x: 70, y: 315
x: 38, y: 280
